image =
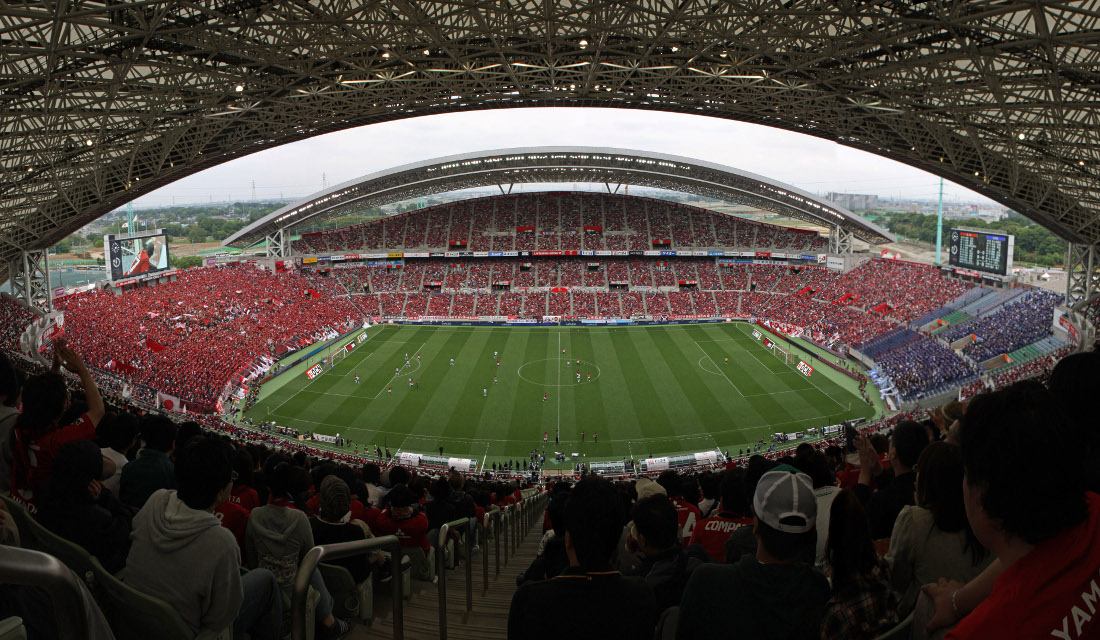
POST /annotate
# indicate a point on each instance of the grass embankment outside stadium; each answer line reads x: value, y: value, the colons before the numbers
x: 655, y: 390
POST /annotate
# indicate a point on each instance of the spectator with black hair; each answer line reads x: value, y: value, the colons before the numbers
x: 932, y: 539
x: 1075, y: 382
x: 279, y: 535
x: 1042, y: 527
x: 552, y: 558
x: 731, y: 515
x: 182, y: 555
x: 119, y: 434
x: 665, y: 565
x: 862, y: 604
x: 678, y: 488
x: 11, y: 385
x: 771, y: 594
x: 37, y: 434
x: 185, y: 432
x: 588, y: 597
x: 439, y: 509
x: 710, y: 487
x: 404, y: 518
x: 153, y: 468
x: 813, y: 463
x: 372, y: 477
x: 462, y: 502
x: 76, y: 506
x: 896, y: 485
x: 243, y: 480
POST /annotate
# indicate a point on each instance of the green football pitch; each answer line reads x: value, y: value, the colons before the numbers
x: 644, y: 391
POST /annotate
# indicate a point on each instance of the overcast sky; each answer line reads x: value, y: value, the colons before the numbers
x: 298, y: 169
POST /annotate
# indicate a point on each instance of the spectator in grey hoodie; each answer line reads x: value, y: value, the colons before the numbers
x: 181, y: 554
x: 279, y: 536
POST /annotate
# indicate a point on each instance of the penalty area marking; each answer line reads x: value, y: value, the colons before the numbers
x: 519, y: 372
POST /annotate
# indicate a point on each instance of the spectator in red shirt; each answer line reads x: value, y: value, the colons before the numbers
x: 1042, y: 527
x: 243, y: 477
x: 36, y: 436
x: 733, y: 513
x: 403, y: 519
x: 686, y: 511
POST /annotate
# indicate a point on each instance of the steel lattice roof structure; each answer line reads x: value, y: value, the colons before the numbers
x: 102, y: 101
x: 561, y: 164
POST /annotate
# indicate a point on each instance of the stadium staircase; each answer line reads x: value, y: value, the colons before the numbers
x: 489, y: 618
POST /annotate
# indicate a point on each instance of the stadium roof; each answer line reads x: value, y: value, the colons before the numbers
x: 561, y: 164
x: 103, y: 101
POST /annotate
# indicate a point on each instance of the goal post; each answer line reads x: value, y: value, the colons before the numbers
x: 786, y: 356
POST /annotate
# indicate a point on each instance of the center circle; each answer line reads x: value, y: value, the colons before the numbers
x: 568, y: 376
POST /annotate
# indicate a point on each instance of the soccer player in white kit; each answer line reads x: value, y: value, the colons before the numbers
x: 484, y: 392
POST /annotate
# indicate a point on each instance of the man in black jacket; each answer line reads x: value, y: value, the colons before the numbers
x: 589, y: 598
x: 665, y: 565
x: 896, y: 485
x: 770, y: 596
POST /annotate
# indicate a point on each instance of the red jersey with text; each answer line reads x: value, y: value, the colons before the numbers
x: 411, y: 532
x: 687, y: 513
x: 713, y: 532
x: 1052, y: 592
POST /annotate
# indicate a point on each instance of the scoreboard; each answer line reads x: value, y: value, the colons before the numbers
x: 986, y: 251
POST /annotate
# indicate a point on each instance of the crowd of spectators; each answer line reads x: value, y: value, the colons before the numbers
x: 188, y: 337
x: 14, y: 318
x: 559, y: 220
x: 908, y: 289
x: 1018, y: 324
x: 924, y: 365
x: 833, y: 539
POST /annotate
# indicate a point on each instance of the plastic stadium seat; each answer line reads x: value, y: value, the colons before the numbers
x: 351, y: 599
x: 134, y: 615
x: 423, y: 568
x: 899, y: 632
x: 406, y: 576
x: 12, y: 629
x: 35, y: 536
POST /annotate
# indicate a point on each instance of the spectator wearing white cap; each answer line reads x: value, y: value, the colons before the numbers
x: 771, y: 595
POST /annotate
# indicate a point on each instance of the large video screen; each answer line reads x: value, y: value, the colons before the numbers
x: 986, y: 251
x: 129, y: 256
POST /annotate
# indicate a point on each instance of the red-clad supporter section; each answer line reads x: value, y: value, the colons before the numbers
x: 210, y: 323
x: 554, y: 221
x: 14, y: 318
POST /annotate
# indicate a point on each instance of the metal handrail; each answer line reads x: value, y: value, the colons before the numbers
x: 344, y: 550
x: 441, y: 568
x: 485, y: 530
x: 37, y: 569
x: 496, y: 516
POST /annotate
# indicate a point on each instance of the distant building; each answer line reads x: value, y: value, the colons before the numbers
x: 853, y: 201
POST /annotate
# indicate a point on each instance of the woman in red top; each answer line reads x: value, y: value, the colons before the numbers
x: 36, y: 436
